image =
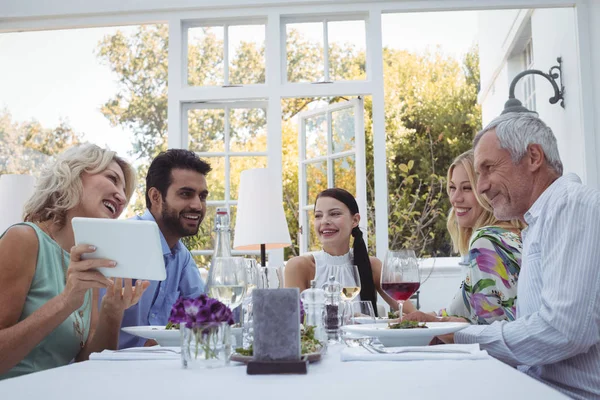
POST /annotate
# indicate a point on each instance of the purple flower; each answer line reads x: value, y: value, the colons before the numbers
x: 178, y: 312
x: 301, y: 312
x: 202, y: 312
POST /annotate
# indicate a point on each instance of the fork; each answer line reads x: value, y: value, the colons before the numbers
x: 374, y: 350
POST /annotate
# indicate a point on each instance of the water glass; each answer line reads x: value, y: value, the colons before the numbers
x: 272, y: 277
x: 359, y: 312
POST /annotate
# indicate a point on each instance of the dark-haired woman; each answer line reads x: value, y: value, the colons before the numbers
x: 336, y: 220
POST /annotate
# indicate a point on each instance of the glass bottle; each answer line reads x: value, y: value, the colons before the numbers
x: 222, y: 247
x: 223, y: 234
x: 313, y: 300
x: 333, y: 312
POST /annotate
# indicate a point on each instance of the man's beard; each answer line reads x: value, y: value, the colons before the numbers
x: 171, y: 221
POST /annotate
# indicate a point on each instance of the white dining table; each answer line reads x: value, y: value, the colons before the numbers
x: 329, y: 378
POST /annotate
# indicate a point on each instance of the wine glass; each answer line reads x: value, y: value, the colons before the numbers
x: 360, y: 312
x: 272, y: 277
x: 254, y: 279
x: 400, y: 276
x: 228, y: 280
x: 349, y: 279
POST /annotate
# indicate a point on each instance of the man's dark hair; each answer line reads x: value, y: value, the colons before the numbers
x: 159, y: 173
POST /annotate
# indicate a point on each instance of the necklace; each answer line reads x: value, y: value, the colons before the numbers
x: 78, y: 315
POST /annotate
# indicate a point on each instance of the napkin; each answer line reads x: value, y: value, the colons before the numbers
x: 138, y: 353
x: 415, y: 353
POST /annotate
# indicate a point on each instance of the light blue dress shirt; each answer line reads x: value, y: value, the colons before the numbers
x: 556, y: 336
x: 154, y: 308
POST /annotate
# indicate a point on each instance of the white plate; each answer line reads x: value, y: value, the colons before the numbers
x: 406, y: 337
x: 168, y: 337
x: 164, y: 337
x: 367, y: 320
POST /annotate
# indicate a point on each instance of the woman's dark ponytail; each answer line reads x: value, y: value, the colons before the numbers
x: 365, y: 271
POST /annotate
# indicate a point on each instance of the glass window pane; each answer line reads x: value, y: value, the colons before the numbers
x: 246, y: 54
x: 248, y: 129
x: 316, y: 136
x: 205, y: 56
x: 344, y: 173
x: 304, y: 51
x: 347, y: 50
x: 316, y: 180
x: 239, y: 164
x: 216, y: 178
x: 206, y: 130
x: 232, y: 217
x: 205, y: 238
x: 313, y: 240
x: 342, y: 129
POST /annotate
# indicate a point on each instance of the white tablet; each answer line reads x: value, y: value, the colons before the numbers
x: 134, y: 245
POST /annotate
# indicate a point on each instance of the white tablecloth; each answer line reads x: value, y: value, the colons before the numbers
x: 146, y: 380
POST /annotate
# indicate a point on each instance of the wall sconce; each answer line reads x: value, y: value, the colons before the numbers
x: 514, y: 105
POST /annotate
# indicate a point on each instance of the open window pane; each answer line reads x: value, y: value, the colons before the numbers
x: 239, y: 164
x: 205, y: 56
x: 304, y: 50
x: 206, y: 232
x: 342, y: 129
x: 316, y: 180
x: 347, y: 50
x: 216, y: 178
x: 316, y: 136
x: 246, y: 54
x: 344, y: 173
x: 206, y: 130
x: 248, y: 129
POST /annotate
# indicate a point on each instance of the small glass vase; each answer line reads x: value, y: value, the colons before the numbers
x: 205, y: 346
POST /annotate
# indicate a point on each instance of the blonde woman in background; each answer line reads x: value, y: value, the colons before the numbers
x: 47, y: 291
x: 493, y: 248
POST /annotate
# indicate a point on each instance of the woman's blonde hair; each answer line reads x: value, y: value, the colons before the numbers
x: 461, y: 236
x: 59, y: 187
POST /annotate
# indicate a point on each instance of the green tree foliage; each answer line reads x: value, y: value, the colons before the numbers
x: 26, y: 147
x: 431, y: 116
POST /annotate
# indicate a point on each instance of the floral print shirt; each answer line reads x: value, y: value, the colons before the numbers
x: 488, y: 292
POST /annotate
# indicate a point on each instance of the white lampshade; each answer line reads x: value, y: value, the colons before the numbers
x: 15, y: 190
x: 260, y: 217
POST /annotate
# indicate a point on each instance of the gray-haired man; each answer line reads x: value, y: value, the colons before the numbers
x: 556, y: 336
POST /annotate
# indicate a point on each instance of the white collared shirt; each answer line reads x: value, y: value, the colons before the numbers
x: 556, y: 336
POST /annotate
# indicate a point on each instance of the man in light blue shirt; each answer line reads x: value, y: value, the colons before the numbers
x: 176, y: 192
x: 556, y: 335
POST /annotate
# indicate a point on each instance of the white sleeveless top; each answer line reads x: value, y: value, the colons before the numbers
x: 324, y: 262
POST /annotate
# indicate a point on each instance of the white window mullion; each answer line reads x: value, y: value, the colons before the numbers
x: 227, y: 156
x: 226, y: 55
x: 375, y: 51
x: 330, y: 171
x: 326, y: 51
x: 175, y: 135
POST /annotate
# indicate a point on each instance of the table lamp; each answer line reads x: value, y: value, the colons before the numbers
x: 260, y: 221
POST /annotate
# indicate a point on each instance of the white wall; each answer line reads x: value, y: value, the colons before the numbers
x: 554, y: 34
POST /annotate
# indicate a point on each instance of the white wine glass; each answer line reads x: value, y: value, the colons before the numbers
x: 228, y: 280
x: 349, y: 279
x: 400, y: 276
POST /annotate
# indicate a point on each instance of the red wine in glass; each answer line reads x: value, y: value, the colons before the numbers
x: 400, y: 291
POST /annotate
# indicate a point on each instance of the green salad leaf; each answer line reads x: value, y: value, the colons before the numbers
x: 308, y: 343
